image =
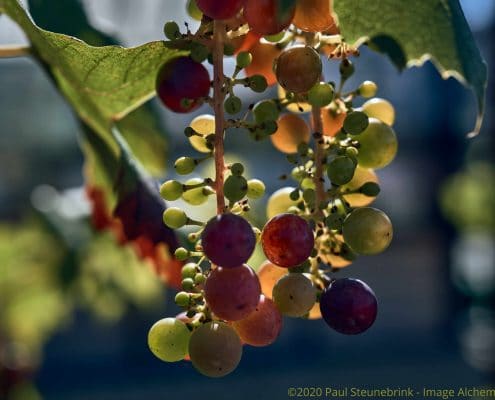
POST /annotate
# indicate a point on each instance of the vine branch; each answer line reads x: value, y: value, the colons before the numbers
x: 218, y: 99
x: 12, y: 51
x: 319, y: 158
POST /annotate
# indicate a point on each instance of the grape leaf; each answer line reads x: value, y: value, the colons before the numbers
x: 421, y: 30
x: 103, y: 84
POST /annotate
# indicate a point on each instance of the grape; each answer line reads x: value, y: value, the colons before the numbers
x: 265, y: 110
x: 355, y: 122
x: 232, y: 293
x: 320, y: 94
x: 380, y: 109
x: 193, y: 10
x: 291, y: 131
x: 171, y: 30
x: 182, y: 84
x: 313, y: 15
x: 298, y: 69
x: 341, y: 170
x: 182, y: 299
x: 196, y: 196
x: 294, y: 295
x: 287, y: 240
x: 204, y: 125
x: 262, y: 326
x: 333, y: 252
x: 332, y: 121
x: 315, y: 312
x: 349, y: 306
x: 256, y: 189
x: 228, y: 240
x: 367, y: 89
x: 168, y: 339
x: 174, y: 217
x: 346, y: 68
x: 378, y: 145
x: 243, y: 59
x: 361, y: 176
x: 235, y: 188
x: 171, y: 190
x: 264, y: 54
x: 279, y: 202
x: 367, y: 230
x: 267, y: 17
x: 185, y: 165
x: 257, y: 83
x: 215, y: 349
x: 299, y: 107
x: 220, y: 9
x: 268, y: 276
x: 237, y: 169
x: 233, y: 105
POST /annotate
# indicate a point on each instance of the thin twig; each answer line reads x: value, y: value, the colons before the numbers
x: 12, y: 51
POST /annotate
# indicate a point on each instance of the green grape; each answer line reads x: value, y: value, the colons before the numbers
x: 182, y: 299
x: 181, y: 254
x: 367, y: 231
x: 256, y: 189
x: 294, y: 295
x: 193, y: 10
x: 361, y: 176
x: 341, y: 170
x: 174, y: 217
x: 235, y: 188
x: 257, y: 83
x: 346, y: 68
x: 171, y: 190
x: 189, y: 270
x: 277, y: 37
x: 265, y: 110
x: 320, y: 94
x: 298, y: 173
x: 199, y: 279
x: 188, y: 284
x: 215, y: 349
x: 370, y: 189
x: 196, y: 196
x: 232, y: 105
x: 244, y: 58
x: 279, y: 202
x: 308, y: 183
x: 295, y: 194
x: 228, y: 49
x: 367, y: 89
x: 168, y: 339
x: 378, y: 145
x: 355, y: 122
x: 336, y: 216
x: 203, y: 125
x: 352, y: 152
x: 237, y: 169
x: 199, y: 52
x: 185, y: 165
x: 171, y: 30
x: 380, y: 109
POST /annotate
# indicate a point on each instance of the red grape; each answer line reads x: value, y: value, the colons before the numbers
x: 267, y: 17
x: 220, y: 9
x: 298, y: 69
x: 349, y: 306
x: 232, y: 293
x: 262, y: 326
x: 182, y: 84
x: 287, y: 240
x: 228, y: 240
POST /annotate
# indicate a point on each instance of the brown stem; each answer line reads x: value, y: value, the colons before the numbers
x: 218, y: 99
x: 11, y: 51
x: 319, y: 158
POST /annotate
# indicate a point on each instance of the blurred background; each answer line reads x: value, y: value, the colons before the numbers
x: 75, y: 307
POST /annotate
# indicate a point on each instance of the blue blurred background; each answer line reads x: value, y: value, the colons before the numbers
x: 435, y: 285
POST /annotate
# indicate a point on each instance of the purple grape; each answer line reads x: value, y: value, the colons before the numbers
x: 349, y: 306
x: 228, y: 240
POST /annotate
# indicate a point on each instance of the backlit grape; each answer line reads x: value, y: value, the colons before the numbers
x: 291, y: 131
x: 333, y: 120
x: 361, y: 176
x: 267, y: 17
x: 262, y: 326
x: 264, y: 54
x: 232, y: 293
x: 341, y: 170
x: 313, y: 15
x: 279, y: 202
x: 215, y: 349
x: 349, y: 306
x: 268, y: 276
x: 182, y: 84
x: 168, y: 339
x: 380, y: 109
x: 378, y: 145
x: 367, y: 230
x: 287, y: 240
x: 299, y: 107
x: 204, y: 125
x: 196, y: 196
x: 228, y: 240
x: 220, y: 9
x: 298, y: 69
x: 294, y: 295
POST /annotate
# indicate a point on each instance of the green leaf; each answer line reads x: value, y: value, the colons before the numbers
x: 415, y: 31
x: 103, y: 84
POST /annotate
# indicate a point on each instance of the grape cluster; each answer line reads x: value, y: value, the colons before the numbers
x: 316, y: 226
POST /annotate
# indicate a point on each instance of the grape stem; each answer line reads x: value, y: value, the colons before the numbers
x: 319, y: 181
x: 218, y: 99
x: 12, y: 51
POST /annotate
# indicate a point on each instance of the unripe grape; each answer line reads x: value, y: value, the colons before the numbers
x: 187, y: 284
x: 380, y: 109
x: 168, y: 339
x: 257, y: 83
x: 277, y: 37
x: 181, y: 254
x: 199, y: 279
x: 171, y: 190
x: 199, y: 52
x: 298, y: 108
x: 367, y: 231
x: 378, y: 145
x: 298, y: 69
x: 370, y: 189
x: 196, y: 196
x: 332, y: 121
x: 237, y: 169
x: 215, y: 349
x: 268, y: 275
x: 361, y: 176
x: 220, y: 9
x: 355, y: 122
x: 267, y: 17
x: 341, y: 170
x: 232, y: 105
x: 367, y: 89
x: 264, y: 54
x: 265, y: 110
x: 182, y: 299
x: 346, y: 68
x: 294, y: 295
x: 244, y: 58
x: 174, y: 217
x: 235, y: 188
x: 291, y: 132
x: 193, y: 10
x: 308, y: 183
x: 204, y: 125
x: 185, y: 165
x: 189, y: 270
x: 256, y: 189
x: 279, y: 202
x: 171, y: 30
x: 320, y: 94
